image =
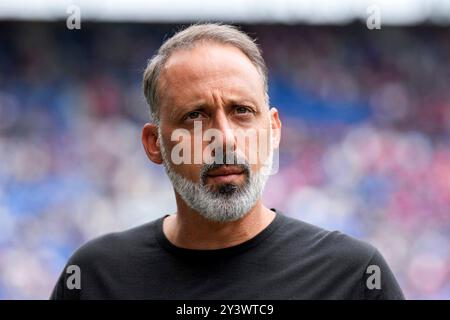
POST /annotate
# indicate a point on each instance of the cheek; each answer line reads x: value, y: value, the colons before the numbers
x: 181, y: 158
x: 255, y: 145
x: 189, y: 171
x: 187, y: 148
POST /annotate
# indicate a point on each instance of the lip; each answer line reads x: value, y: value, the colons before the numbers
x: 227, y: 178
x: 225, y: 170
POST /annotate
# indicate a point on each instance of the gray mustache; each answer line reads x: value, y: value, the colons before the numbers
x: 235, y: 160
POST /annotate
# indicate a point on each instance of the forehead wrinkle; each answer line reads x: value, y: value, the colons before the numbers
x: 241, y: 79
x: 208, y: 61
x: 214, y: 94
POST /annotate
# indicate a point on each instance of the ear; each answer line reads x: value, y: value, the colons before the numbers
x: 275, y: 124
x: 151, y: 143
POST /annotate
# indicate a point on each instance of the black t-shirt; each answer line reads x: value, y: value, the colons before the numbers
x: 289, y: 259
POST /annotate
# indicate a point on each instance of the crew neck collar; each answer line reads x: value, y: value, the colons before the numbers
x: 258, y: 238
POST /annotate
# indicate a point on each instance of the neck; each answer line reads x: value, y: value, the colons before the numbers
x: 188, y: 229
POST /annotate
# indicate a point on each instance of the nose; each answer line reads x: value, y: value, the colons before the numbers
x: 222, y: 123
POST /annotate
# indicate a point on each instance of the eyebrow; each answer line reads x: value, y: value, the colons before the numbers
x: 195, y: 106
x: 201, y: 104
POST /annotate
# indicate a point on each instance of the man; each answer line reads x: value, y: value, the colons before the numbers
x: 222, y: 243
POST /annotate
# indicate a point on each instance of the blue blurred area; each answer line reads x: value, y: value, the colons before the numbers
x: 365, y: 146
x: 298, y: 103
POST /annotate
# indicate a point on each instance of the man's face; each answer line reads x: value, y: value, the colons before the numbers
x: 215, y: 86
x: 218, y: 86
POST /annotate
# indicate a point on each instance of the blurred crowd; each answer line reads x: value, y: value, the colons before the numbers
x: 365, y: 143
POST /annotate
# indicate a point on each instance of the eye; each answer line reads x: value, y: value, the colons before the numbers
x: 193, y: 115
x: 243, y: 110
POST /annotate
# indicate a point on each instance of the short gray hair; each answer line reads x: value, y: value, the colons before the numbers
x: 186, y: 39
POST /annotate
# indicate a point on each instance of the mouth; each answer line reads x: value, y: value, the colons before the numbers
x: 225, y: 174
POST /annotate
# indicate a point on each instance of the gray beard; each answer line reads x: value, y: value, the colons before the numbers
x: 230, y: 202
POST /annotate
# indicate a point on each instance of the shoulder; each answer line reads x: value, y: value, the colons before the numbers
x: 116, y: 245
x: 105, y: 258
x: 334, y: 245
x: 341, y: 256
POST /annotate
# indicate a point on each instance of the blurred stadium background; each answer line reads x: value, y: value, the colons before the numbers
x: 366, y: 135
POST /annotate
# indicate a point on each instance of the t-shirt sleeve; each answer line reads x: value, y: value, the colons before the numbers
x: 85, y: 264
x: 61, y: 290
x: 58, y: 290
x: 75, y: 269
x: 379, y: 282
